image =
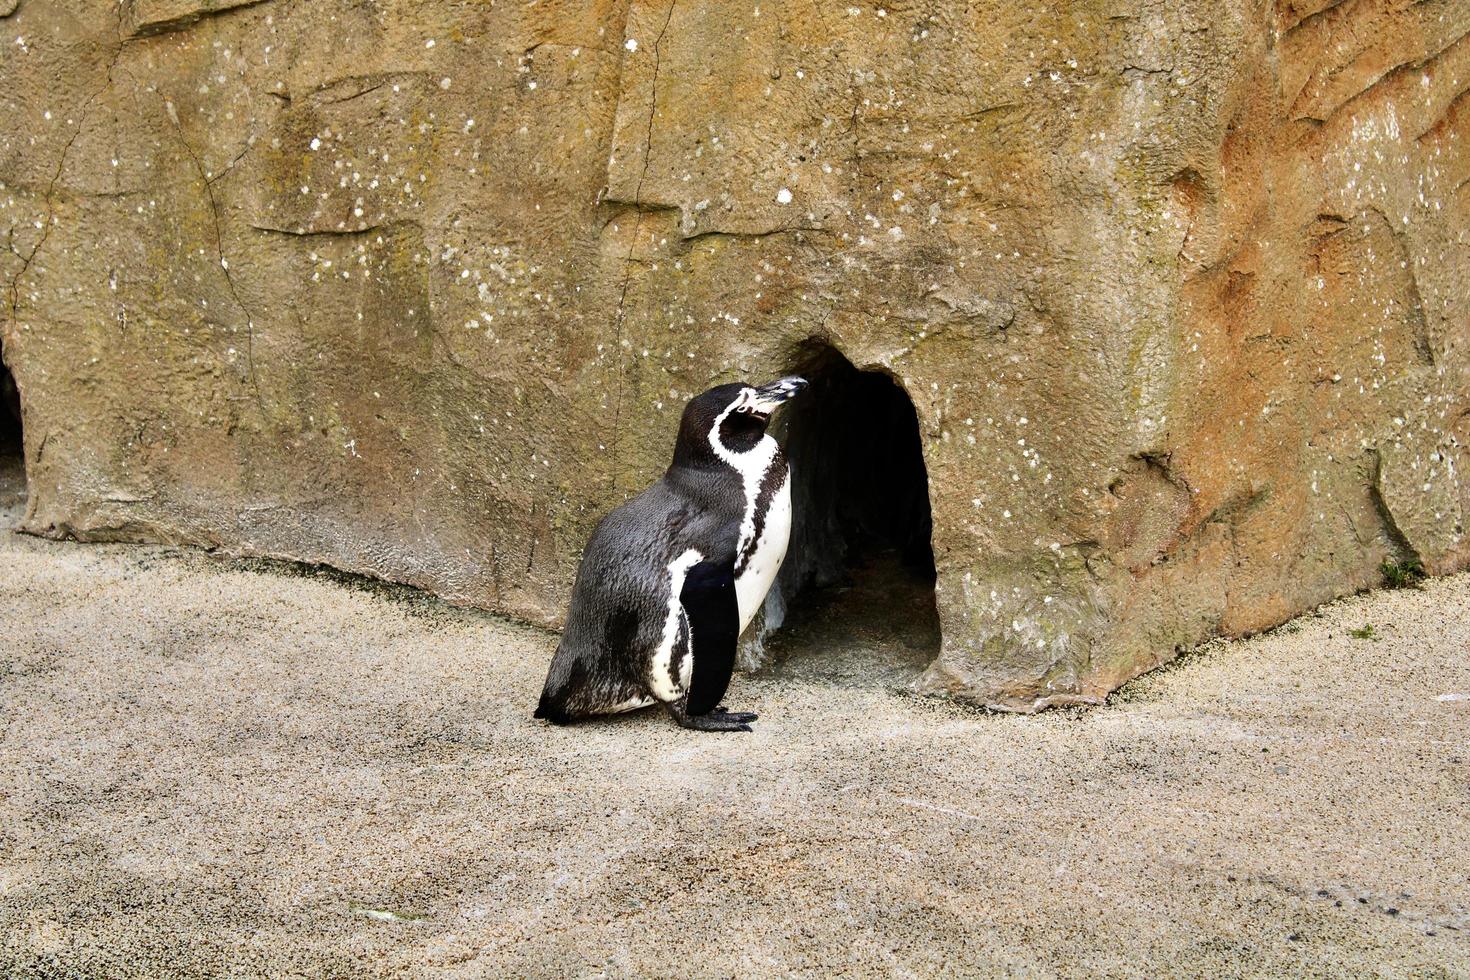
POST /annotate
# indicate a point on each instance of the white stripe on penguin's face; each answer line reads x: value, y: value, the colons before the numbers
x: 750, y: 464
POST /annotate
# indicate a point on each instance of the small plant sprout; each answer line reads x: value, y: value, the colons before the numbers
x: 1406, y: 574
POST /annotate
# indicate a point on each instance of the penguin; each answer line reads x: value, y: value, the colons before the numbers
x: 670, y: 579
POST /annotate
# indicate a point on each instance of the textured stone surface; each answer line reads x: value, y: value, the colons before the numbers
x: 1179, y: 292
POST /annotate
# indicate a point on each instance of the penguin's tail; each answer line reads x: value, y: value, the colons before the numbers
x: 566, y: 678
x: 549, y: 709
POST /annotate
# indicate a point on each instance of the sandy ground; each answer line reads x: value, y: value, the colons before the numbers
x: 217, y: 768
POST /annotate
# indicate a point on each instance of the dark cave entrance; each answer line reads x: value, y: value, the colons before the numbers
x: 854, y: 602
x: 12, y: 451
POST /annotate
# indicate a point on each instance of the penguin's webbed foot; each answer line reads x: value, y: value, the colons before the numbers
x: 718, y: 720
x: 715, y: 722
x: 742, y: 716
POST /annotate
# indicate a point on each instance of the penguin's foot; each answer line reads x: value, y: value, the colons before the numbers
x: 741, y: 716
x: 715, y: 721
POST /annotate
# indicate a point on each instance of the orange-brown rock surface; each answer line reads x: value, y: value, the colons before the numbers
x: 1180, y: 292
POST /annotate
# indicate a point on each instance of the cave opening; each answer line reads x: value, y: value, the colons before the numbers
x: 854, y: 601
x: 12, y: 452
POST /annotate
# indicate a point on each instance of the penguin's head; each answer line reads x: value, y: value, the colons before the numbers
x: 726, y: 422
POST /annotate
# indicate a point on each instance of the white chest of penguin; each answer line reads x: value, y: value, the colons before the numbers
x: 765, y: 530
x: 754, y: 580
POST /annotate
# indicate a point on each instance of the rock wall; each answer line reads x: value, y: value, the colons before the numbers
x: 1180, y: 292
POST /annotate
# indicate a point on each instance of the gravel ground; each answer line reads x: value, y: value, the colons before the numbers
x: 212, y: 767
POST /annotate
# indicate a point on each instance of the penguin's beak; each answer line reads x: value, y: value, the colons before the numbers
x: 769, y: 397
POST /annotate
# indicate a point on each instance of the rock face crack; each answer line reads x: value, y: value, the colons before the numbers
x: 628, y: 262
x: 1446, y: 118
x: 231, y: 165
x: 209, y: 8
x: 1418, y: 311
x: 48, y: 197
x: 750, y: 235
x: 1390, y: 523
x: 219, y: 245
x: 1311, y: 18
x: 1383, y: 78
x: 327, y: 232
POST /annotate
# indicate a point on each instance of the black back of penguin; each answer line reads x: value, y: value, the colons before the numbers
x: 620, y: 598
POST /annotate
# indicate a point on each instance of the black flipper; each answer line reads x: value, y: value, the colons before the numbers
x: 714, y: 625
